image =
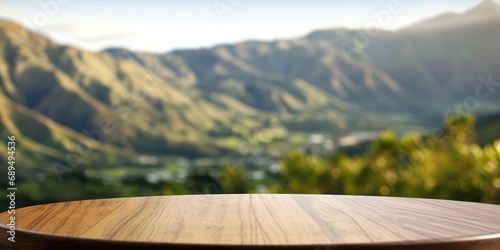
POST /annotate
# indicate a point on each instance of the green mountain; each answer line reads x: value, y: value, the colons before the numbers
x: 114, y: 101
x: 60, y: 100
x: 420, y: 70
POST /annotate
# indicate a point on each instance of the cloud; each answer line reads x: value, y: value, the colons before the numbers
x: 95, y: 30
x: 9, y: 12
x: 80, y: 25
x: 109, y: 37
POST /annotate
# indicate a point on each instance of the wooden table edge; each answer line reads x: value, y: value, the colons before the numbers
x: 26, y: 239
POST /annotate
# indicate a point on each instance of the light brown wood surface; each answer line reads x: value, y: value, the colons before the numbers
x: 257, y: 221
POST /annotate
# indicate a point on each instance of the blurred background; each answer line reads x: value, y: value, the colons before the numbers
x: 138, y: 98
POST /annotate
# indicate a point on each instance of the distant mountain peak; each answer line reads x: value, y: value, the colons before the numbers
x: 488, y: 3
x: 485, y: 6
x: 486, y: 11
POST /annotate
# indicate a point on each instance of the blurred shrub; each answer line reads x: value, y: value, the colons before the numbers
x: 448, y: 165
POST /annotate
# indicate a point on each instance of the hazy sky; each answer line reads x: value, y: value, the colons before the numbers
x: 161, y: 26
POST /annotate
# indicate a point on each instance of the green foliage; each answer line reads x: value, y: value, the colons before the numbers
x: 232, y: 180
x: 307, y: 175
x: 446, y: 166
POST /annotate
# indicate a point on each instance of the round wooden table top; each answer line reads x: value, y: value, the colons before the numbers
x: 256, y: 221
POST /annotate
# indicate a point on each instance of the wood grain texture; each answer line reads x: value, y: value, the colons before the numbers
x: 257, y: 222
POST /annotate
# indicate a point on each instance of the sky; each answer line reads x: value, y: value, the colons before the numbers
x: 162, y: 26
